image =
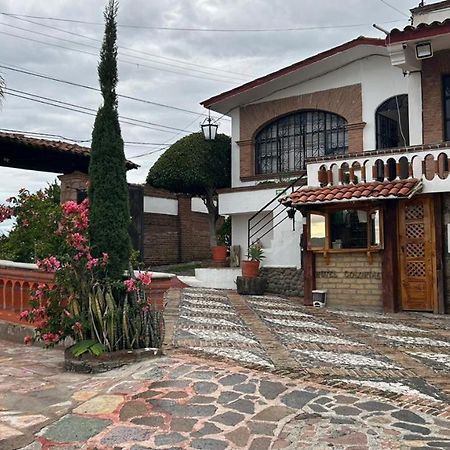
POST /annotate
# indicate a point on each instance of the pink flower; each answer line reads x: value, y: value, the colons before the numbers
x: 25, y: 223
x: 50, y: 264
x: 77, y: 327
x: 93, y: 262
x: 50, y: 338
x: 145, y: 278
x: 5, y: 213
x: 24, y: 315
x: 130, y: 285
x: 77, y: 241
x: 27, y: 340
x: 105, y: 259
x: 70, y: 207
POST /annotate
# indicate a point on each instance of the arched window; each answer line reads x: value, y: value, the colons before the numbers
x: 392, y: 122
x: 284, y: 145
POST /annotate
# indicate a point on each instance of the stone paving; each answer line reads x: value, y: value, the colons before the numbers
x: 255, y: 373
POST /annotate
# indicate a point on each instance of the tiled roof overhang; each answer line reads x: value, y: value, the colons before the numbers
x: 50, y: 146
x: 420, y: 32
x: 374, y: 190
x: 361, y: 40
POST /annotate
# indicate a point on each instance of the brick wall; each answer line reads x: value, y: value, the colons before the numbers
x: 161, y: 239
x: 345, y: 101
x: 172, y: 239
x: 433, y: 120
x: 351, y: 282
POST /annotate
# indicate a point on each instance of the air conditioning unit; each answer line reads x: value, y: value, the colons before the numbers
x: 319, y: 298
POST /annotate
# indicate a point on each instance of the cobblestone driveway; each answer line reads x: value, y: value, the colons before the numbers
x: 254, y: 373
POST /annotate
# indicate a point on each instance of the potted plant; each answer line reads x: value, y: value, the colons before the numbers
x: 223, y: 236
x: 250, y: 268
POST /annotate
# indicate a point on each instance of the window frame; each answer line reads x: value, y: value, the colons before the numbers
x: 327, y: 248
x: 305, y: 132
x: 377, y: 124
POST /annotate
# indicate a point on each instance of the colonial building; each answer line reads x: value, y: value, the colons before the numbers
x: 368, y: 123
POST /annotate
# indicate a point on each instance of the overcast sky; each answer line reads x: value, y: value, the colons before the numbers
x: 178, y: 68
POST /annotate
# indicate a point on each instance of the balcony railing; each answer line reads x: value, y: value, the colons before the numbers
x: 428, y: 163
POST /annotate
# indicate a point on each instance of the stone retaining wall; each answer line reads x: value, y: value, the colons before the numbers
x: 284, y: 280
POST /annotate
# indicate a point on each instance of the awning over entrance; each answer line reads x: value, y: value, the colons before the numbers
x: 23, y: 152
x: 375, y: 190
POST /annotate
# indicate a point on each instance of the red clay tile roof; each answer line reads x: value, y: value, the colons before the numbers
x: 46, y: 144
x: 361, y: 40
x: 374, y: 190
x: 421, y: 31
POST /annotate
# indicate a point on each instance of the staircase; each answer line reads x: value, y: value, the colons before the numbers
x: 272, y: 214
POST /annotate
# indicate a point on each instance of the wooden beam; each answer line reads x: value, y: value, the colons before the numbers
x: 389, y: 270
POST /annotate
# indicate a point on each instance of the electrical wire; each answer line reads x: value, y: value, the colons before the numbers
x: 139, y: 65
x: 228, y: 79
x: 65, y: 138
x: 125, y: 48
x: 92, y: 109
x: 394, y: 8
x: 85, y: 112
x: 221, y: 30
x: 71, y: 83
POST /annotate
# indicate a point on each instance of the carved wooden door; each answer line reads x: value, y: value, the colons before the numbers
x: 417, y: 257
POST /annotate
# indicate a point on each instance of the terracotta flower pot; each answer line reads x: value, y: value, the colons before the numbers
x: 219, y: 253
x: 250, y: 269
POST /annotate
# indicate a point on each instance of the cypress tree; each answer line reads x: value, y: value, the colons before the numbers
x: 108, y: 190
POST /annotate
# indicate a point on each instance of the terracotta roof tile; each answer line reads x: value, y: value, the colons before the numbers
x: 353, y: 192
x: 421, y: 31
x: 47, y: 144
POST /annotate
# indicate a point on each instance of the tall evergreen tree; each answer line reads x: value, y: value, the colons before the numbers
x: 108, y: 190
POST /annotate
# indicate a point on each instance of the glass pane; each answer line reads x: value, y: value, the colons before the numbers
x: 375, y: 234
x: 348, y: 229
x: 317, y: 230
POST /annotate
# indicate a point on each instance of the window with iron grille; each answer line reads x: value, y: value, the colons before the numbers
x: 392, y: 122
x: 284, y: 145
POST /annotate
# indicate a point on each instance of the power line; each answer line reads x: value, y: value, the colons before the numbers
x: 71, y: 83
x: 123, y: 53
x: 37, y: 100
x: 394, y: 8
x: 65, y: 138
x: 221, y: 30
x: 94, y: 110
x: 121, y: 60
x: 125, y: 48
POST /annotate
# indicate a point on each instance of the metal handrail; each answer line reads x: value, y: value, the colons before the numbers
x: 251, y: 233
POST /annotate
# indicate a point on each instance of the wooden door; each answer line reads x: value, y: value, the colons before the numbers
x: 417, y: 258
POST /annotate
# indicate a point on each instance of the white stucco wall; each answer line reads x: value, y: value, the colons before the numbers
x: 197, y: 205
x: 281, y: 246
x: 379, y: 81
x: 160, y: 206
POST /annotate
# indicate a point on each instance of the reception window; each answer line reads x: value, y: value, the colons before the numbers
x: 345, y: 229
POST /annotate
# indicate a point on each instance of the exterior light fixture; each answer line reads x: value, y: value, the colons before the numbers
x: 209, y: 129
x: 424, y: 50
x: 291, y: 213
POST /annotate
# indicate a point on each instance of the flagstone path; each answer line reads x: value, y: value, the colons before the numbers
x: 253, y: 373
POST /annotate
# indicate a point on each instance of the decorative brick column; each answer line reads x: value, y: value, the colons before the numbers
x: 71, y: 184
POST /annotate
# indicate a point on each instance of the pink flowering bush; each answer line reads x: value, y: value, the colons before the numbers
x: 85, y: 304
x: 32, y: 235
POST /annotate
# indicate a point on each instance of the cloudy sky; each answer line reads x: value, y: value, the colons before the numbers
x: 164, y: 58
